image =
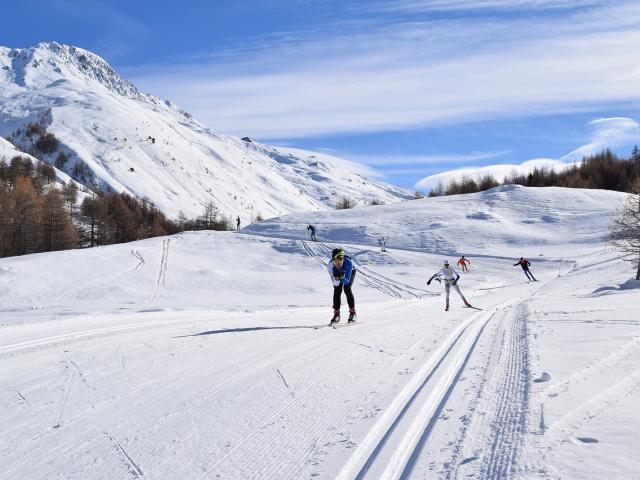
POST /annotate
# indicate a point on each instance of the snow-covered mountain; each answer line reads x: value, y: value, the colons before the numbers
x: 117, y: 137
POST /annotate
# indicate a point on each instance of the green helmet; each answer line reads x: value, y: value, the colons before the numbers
x: 337, y: 253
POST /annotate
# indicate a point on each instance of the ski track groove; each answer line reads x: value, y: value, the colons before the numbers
x: 335, y: 435
x: 285, y: 383
x: 368, y: 277
x: 509, y: 423
x: 161, y: 277
x: 374, y: 441
x: 306, y: 395
x: 65, y: 395
x: 473, y: 423
x: 266, y: 362
x: 600, y: 366
x: 131, y: 465
x: 573, y: 419
x: 407, y: 453
x: 165, y: 391
x: 78, y: 335
x: 139, y: 264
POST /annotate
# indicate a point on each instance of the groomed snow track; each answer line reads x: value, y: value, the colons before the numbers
x: 420, y: 403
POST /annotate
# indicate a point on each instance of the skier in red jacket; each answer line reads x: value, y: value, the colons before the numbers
x: 525, y: 264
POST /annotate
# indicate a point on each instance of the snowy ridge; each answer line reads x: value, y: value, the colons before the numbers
x: 150, y: 148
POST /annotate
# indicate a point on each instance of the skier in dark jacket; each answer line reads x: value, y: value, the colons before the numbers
x: 525, y: 264
x: 342, y: 273
x: 312, y: 232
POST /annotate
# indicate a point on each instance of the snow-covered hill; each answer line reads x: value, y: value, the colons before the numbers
x: 510, y: 220
x: 151, y: 148
x: 194, y: 355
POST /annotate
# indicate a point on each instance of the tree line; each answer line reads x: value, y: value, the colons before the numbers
x: 37, y: 215
x: 603, y: 170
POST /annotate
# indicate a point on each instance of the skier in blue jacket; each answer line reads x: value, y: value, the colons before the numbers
x: 342, y: 273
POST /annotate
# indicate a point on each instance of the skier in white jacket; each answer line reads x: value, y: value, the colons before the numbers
x: 450, y: 277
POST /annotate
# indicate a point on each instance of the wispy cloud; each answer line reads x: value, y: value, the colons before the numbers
x: 388, y: 76
x: 607, y: 133
x: 444, y: 159
x: 604, y: 133
x: 466, y: 5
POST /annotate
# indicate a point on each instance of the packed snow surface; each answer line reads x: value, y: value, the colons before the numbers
x: 195, y: 355
x: 137, y: 143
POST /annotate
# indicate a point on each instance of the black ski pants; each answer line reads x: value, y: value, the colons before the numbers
x: 337, y: 293
x: 527, y: 273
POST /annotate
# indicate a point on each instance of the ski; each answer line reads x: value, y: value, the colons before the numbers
x: 341, y: 325
x: 334, y: 325
x: 471, y: 306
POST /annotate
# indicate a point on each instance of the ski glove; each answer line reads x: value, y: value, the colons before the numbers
x: 429, y: 282
x: 339, y: 276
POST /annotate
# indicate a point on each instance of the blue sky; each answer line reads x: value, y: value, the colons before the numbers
x: 412, y: 88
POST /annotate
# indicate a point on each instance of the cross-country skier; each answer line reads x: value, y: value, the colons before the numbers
x: 342, y: 273
x: 463, y: 262
x: 450, y: 277
x: 383, y: 244
x: 312, y: 232
x: 525, y: 264
x: 238, y: 223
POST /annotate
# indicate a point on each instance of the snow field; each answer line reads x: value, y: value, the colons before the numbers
x: 195, y: 356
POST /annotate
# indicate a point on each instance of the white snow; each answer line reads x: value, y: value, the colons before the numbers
x: 142, y: 145
x: 193, y: 356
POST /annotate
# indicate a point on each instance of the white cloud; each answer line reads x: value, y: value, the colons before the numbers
x: 391, y: 160
x: 456, y: 5
x: 413, y: 74
x: 605, y: 133
x: 499, y: 172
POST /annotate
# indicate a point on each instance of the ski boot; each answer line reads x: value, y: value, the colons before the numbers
x: 336, y: 316
x: 446, y: 309
x: 352, y: 316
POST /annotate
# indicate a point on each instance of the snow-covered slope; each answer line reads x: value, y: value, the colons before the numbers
x: 510, y: 220
x: 194, y: 356
x: 151, y: 148
x: 8, y: 151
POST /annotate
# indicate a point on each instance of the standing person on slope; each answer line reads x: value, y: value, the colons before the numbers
x: 342, y: 273
x: 450, y: 277
x: 525, y: 264
x: 312, y: 232
x: 463, y: 262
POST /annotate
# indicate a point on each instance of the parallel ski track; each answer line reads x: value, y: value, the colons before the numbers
x: 139, y: 264
x: 466, y: 334
x: 165, y: 390
x: 600, y: 366
x: 161, y: 278
x: 366, y: 275
x: 76, y: 335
